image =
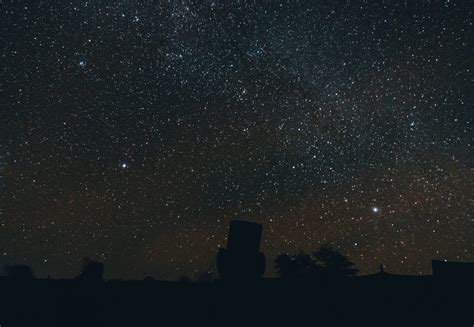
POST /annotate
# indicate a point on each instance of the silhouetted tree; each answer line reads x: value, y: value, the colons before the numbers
x: 298, y: 264
x: 333, y: 262
x: 324, y: 261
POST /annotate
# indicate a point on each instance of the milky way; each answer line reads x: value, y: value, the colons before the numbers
x: 134, y: 131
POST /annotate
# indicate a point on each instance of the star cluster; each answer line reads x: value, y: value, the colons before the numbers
x: 134, y: 131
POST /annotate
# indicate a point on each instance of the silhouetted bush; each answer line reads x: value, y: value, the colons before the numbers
x: 333, y: 262
x: 323, y: 262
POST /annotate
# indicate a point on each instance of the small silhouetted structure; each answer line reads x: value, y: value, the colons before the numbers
x: 92, y: 270
x: 19, y: 272
x: 381, y: 274
x: 242, y: 259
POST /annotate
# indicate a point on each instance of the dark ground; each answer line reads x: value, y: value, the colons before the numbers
x: 376, y: 300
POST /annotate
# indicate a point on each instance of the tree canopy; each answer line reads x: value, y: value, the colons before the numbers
x: 324, y: 261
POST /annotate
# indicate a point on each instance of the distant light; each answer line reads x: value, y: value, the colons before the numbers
x: 375, y: 209
x: 124, y: 165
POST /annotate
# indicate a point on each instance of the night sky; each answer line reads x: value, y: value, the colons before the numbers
x: 133, y: 131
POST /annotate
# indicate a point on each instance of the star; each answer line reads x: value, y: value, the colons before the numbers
x: 184, y: 123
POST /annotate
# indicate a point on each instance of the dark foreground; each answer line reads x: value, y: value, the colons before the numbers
x: 377, y: 300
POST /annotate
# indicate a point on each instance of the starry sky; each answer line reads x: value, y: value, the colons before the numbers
x: 133, y: 131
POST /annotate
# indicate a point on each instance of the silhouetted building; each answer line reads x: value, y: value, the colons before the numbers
x: 242, y: 259
x: 453, y: 270
x: 454, y: 292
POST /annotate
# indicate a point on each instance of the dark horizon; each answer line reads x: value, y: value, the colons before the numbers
x: 320, y: 288
x: 212, y: 272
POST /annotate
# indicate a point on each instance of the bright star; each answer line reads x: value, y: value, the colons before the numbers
x: 124, y: 165
x: 375, y: 209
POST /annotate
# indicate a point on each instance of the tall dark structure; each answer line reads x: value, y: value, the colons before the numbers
x: 242, y: 259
